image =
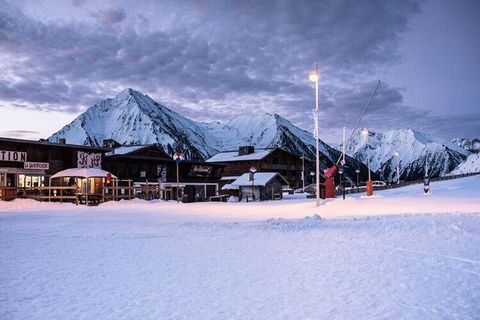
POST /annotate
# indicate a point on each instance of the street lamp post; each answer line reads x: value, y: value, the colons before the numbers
x: 252, y: 177
x: 398, y: 169
x: 357, y: 172
x: 314, y: 76
x: 178, y: 157
x: 303, y: 174
x: 369, y: 182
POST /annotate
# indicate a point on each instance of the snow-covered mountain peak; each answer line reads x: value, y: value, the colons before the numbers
x: 408, y: 149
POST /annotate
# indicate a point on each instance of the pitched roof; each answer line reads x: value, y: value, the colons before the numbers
x: 54, y: 144
x: 82, y: 172
x: 260, y: 179
x: 228, y: 156
x: 125, y: 150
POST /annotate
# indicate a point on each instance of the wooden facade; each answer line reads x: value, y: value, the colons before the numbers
x: 41, y: 160
x: 151, y: 165
x: 277, y: 160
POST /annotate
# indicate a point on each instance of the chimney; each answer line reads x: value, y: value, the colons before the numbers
x: 110, y: 143
x: 244, y: 150
x: 62, y: 141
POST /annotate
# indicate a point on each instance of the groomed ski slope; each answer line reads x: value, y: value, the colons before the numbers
x: 160, y: 260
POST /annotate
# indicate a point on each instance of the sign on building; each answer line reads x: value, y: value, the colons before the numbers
x: 89, y: 160
x: 13, y: 156
x: 36, y: 165
x: 201, y: 171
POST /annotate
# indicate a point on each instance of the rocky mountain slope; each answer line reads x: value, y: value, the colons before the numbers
x: 410, y: 150
x: 472, y: 145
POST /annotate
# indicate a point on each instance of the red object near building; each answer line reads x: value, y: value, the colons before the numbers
x: 330, y: 181
x: 329, y: 188
x: 108, y: 178
x: 369, y: 188
x: 330, y: 172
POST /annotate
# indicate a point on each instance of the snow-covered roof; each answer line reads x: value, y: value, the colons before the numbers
x: 233, y: 156
x: 260, y: 179
x: 124, y: 150
x: 82, y: 173
x: 226, y: 178
x: 229, y: 186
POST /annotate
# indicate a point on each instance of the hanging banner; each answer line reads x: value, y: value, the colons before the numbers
x: 161, y: 173
x: 89, y: 160
x: 13, y: 156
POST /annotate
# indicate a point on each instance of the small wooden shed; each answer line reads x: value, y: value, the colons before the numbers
x: 263, y: 186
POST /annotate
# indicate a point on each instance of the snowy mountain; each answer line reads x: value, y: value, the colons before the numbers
x: 471, y: 165
x: 132, y: 118
x: 414, y: 150
x: 472, y: 145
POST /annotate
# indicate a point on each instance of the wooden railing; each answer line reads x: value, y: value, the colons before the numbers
x: 62, y: 194
x: 72, y: 194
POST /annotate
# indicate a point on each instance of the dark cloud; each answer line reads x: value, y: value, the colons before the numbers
x: 227, y: 57
x: 78, y: 3
x: 109, y: 17
x: 18, y: 133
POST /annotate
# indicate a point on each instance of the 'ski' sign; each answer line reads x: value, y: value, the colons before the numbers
x: 89, y: 160
x: 13, y: 156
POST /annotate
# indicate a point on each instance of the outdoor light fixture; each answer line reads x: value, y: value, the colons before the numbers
x: 314, y: 76
x: 396, y: 154
x: 364, y: 132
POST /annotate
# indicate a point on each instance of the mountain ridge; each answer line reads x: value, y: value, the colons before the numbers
x: 408, y: 149
x: 132, y: 118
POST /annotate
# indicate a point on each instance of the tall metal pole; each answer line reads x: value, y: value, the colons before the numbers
x: 368, y: 159
x: 178, y: 184
x: 358, y: 182
x: 303, y: 174
x: 314, y: 76
x: 317, y: 173
x: 398, y: 174
x: 253, y: 187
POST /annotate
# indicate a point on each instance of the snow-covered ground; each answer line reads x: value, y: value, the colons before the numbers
x: 372, y: 258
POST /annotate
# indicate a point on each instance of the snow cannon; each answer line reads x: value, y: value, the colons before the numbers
x: 369, y: 188
x: 426, y: 184
x: 329, y: 174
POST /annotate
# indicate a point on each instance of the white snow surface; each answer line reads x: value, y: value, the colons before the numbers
x: 470, y: 165
x: 126, y: 150
x: 361, y: 258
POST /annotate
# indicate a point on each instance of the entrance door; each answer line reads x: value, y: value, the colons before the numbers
x: 11, y: 180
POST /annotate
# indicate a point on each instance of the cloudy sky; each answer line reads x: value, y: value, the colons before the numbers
x: 212, y: 60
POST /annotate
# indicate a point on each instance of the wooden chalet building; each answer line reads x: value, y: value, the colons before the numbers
x: 287, y: 164
x: 149, y: 164
x: 27, y: 163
